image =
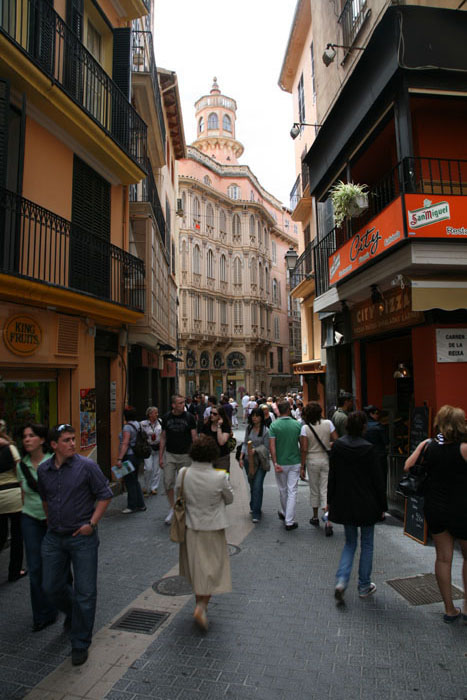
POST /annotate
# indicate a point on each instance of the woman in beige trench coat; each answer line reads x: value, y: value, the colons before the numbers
x: 204, y: 559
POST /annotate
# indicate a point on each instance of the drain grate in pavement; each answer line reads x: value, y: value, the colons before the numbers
x: 140, y: 620
x: 421, y: 589
x: 172, y: 585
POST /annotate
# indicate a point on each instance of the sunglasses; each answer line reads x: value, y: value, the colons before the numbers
x: 65, y: 427
x: 214, y: 413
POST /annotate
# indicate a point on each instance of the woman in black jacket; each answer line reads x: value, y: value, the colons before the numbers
x: 356, y: 498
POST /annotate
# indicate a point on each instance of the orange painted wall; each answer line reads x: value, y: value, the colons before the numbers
x: 117, y: 213
x: 437, y: 383
x: 439, y: 127
x: 48, y: 170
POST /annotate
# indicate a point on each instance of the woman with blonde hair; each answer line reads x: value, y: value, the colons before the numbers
x: 204, y: 559
x: 446, y: 499
x: 11, y: 505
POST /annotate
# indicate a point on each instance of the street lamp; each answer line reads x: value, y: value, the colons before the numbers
x: 296, y: 128
x: 330, y: 52
x: 291, y: 258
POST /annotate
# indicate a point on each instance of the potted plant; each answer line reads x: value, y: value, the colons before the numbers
x: 348, y: 200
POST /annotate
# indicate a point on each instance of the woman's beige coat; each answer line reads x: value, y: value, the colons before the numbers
x: 207, y: 491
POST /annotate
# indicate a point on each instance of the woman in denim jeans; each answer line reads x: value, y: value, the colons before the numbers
x: 356, y: 498
x: 259, y: 435
x: 128, y: 440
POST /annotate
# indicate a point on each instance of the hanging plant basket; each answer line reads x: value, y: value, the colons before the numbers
x: 348, y: 200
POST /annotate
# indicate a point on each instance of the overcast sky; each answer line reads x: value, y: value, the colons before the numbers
x: 242, y: 43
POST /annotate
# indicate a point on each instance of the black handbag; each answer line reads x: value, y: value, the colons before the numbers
x: 328, y: 452
x: 414, y: 481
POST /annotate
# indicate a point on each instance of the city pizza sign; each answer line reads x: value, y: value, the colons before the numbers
x: 385, y: 231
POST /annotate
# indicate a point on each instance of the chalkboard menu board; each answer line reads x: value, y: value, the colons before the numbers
x: 420, y: 427
x: 414, y: 519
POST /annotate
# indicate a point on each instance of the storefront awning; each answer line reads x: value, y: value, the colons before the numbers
x: 447, y: 294
x: 309, y: 367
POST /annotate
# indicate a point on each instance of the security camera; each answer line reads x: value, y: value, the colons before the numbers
x: 329, y: 55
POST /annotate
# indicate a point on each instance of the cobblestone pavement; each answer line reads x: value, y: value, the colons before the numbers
x: 278, y: 635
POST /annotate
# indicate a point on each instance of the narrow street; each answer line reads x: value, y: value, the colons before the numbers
x: 277, y: 635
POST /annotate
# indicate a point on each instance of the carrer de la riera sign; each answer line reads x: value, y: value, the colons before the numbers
x: 22, y: 335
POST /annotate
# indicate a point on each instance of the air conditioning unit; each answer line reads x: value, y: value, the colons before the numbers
x: 180, y: 211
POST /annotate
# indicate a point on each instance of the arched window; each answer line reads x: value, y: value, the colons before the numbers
x: 253, y: 271
x: 237, y: 271
x: 238, y: 313
x: 196, y: 213
x: 252, y: 227
x: 207, y: 180
x: 210, y: 263
x: 209, y: 217
x: 196, y: 260
x: 260, y: 240
x: 223, y: 268
x: 184, y: 257
x: 210, y: 310
x: 261, y: 280
x: 222, y: 221
x: 236, y: 227
x: 254, y: 314
x: 227, y: 123
x: 274, y: 291
x: 233, y: 191
x: 213, y: 121
x: 201, y: 125
x: 266, y: 279
x: 276, y: 328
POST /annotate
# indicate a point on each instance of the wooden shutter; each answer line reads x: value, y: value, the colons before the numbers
x: 74, y: 17
x: 4, y: 113
x: 121, y: 65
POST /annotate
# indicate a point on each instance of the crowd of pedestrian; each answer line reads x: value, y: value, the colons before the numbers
x: 52, y: 498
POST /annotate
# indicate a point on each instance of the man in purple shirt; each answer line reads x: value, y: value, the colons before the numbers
x: 75, y: 494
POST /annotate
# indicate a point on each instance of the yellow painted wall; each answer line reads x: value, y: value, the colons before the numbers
x: 48, y: 170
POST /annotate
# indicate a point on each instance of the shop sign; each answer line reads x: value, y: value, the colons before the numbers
x: 451, y: 344
x: 384, y: 231
x: 169, y: 369
x: 22, y: 335
x: 149, y: 359
x: 395, y: 312
x: 436, y: 217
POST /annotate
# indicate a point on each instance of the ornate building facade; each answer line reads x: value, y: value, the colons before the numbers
x: 235, y: 316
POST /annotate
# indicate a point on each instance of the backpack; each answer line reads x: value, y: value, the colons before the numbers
x: 141, y: 448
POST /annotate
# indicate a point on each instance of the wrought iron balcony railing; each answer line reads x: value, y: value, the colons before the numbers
x: 351, y: 19
x: 143, y: 61
x: 42, y: 246
x: 303, y: 267
x: 37, y: 30
x: 146, y: 191
x: 438, y: 176
x: 296, y: 193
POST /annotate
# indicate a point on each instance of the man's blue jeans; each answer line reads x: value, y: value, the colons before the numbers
x: 34, y: 531
x: 366, y: 556
x: 256, y: 491
x: 77, y: 601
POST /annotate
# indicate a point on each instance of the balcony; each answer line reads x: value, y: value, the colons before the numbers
x: 300, y: 201
x: 44, y: 248
x: 431, y: 176
x: 32, y: 32
x: 352, y: 19
x: 303, y: 269
x: 146, y: 191
x: 146, y: 89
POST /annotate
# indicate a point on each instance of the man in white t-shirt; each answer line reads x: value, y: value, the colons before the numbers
x: 245, y: 399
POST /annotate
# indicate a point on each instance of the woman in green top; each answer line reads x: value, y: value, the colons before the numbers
x: 33, y: 521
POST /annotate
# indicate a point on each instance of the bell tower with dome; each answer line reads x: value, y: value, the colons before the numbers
x: 215, y: 127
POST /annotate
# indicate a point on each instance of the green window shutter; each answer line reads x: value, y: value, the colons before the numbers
x: 121, y: 65
x: 74, y: 17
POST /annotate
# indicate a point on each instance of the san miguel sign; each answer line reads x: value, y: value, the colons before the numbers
x: 385, y: 230
x: 395, y: 312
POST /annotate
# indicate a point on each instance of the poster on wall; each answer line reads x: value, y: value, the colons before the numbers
x: 87, y: 417
x: 451, y: 344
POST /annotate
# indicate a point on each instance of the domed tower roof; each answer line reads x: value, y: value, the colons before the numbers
x: 215, y: 126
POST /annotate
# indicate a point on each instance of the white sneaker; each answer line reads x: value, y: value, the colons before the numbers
x: 127, y: 510
x: 368, y: 592
x: 169, y: 517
